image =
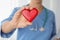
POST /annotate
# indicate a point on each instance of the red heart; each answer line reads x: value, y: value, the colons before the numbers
x: 30, y: 14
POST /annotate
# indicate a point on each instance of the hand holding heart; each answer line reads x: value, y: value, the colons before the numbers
x: 19, y: 20
x: 24, y: 17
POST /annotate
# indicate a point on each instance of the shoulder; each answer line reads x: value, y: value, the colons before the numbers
x: 14, y: 11
x: 51, y: 14
x: 16, y: 8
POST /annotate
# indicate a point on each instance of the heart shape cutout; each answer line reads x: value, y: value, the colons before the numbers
x: 30, y: 14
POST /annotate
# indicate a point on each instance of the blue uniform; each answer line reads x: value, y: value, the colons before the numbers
x: 28, y: 34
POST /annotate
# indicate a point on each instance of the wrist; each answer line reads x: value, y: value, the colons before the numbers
x: 13, y: 24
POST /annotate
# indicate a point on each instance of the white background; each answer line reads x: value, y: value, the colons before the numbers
x: 6, y: 7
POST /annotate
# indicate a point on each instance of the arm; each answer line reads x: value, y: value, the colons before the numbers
x: 54, y: 26
x: 16, y: 20
x: 7, y: 25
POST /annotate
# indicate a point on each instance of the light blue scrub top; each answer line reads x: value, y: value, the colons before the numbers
x: 27, y: 34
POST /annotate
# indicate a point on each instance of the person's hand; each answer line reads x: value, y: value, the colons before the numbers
x: 22, y: 22
x: 57, y: 39
x: 19, y: 20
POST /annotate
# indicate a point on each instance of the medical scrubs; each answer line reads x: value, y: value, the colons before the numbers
x: 28, y: 34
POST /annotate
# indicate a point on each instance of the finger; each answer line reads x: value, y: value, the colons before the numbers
x: 22, y: 18
x: 22, y: 25
x: 29, y: 23
x: 18, y: 14
x: 20, y: 10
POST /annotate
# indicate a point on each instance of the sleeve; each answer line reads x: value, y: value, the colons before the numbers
x: 7, y: 35
x: 54, y: 27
